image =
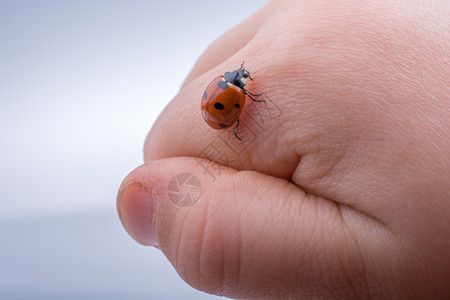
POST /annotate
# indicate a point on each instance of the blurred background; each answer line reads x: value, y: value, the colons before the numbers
x: 81, y: 83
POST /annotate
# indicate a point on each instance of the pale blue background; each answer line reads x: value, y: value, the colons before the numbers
x: 81, y: 83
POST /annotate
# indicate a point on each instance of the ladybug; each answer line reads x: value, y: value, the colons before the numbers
x: 224, y: 99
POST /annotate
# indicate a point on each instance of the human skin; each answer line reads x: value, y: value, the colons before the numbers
x: 345, y: 191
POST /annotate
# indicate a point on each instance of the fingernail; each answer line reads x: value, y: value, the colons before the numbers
x: 135, y: 208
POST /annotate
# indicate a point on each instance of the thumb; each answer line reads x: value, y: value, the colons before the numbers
x: 237, y: 233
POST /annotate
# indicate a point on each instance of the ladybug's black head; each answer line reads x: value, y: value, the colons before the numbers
x: 238, y: 77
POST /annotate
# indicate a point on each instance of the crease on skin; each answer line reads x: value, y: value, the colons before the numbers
x: 155, y: 228
x: 223, y: 261
x: 381, y: 224
x: 204, y: 244
x: 319, y: 153
x: 315, y: 175
x: 364, y: 269
x: 346, y: 229
x: 240, y: 249
x: 362, y: 213
x: 357, y: 246
x: 210, y: 215
x: 180, y: 238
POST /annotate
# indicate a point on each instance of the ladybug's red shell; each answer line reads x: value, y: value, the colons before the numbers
x: 222, y: 103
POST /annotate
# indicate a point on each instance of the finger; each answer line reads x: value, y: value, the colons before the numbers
x: 180, y: 129
x: 244, y: 234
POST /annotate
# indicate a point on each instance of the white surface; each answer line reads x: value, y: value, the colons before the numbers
x: 81, y: 83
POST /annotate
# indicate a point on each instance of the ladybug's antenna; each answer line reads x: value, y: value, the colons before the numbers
x: 242, y: 65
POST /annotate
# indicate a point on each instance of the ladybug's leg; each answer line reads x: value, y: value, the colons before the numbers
x: 251, y: 95
x: 256, y: 95
x: 234, y: 130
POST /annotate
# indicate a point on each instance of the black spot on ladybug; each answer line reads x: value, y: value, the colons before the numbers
x: 219, y: 106
x: 237, y: 105
x: 222, y: 84
x: 205, y: 94
x: 223, y: 125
